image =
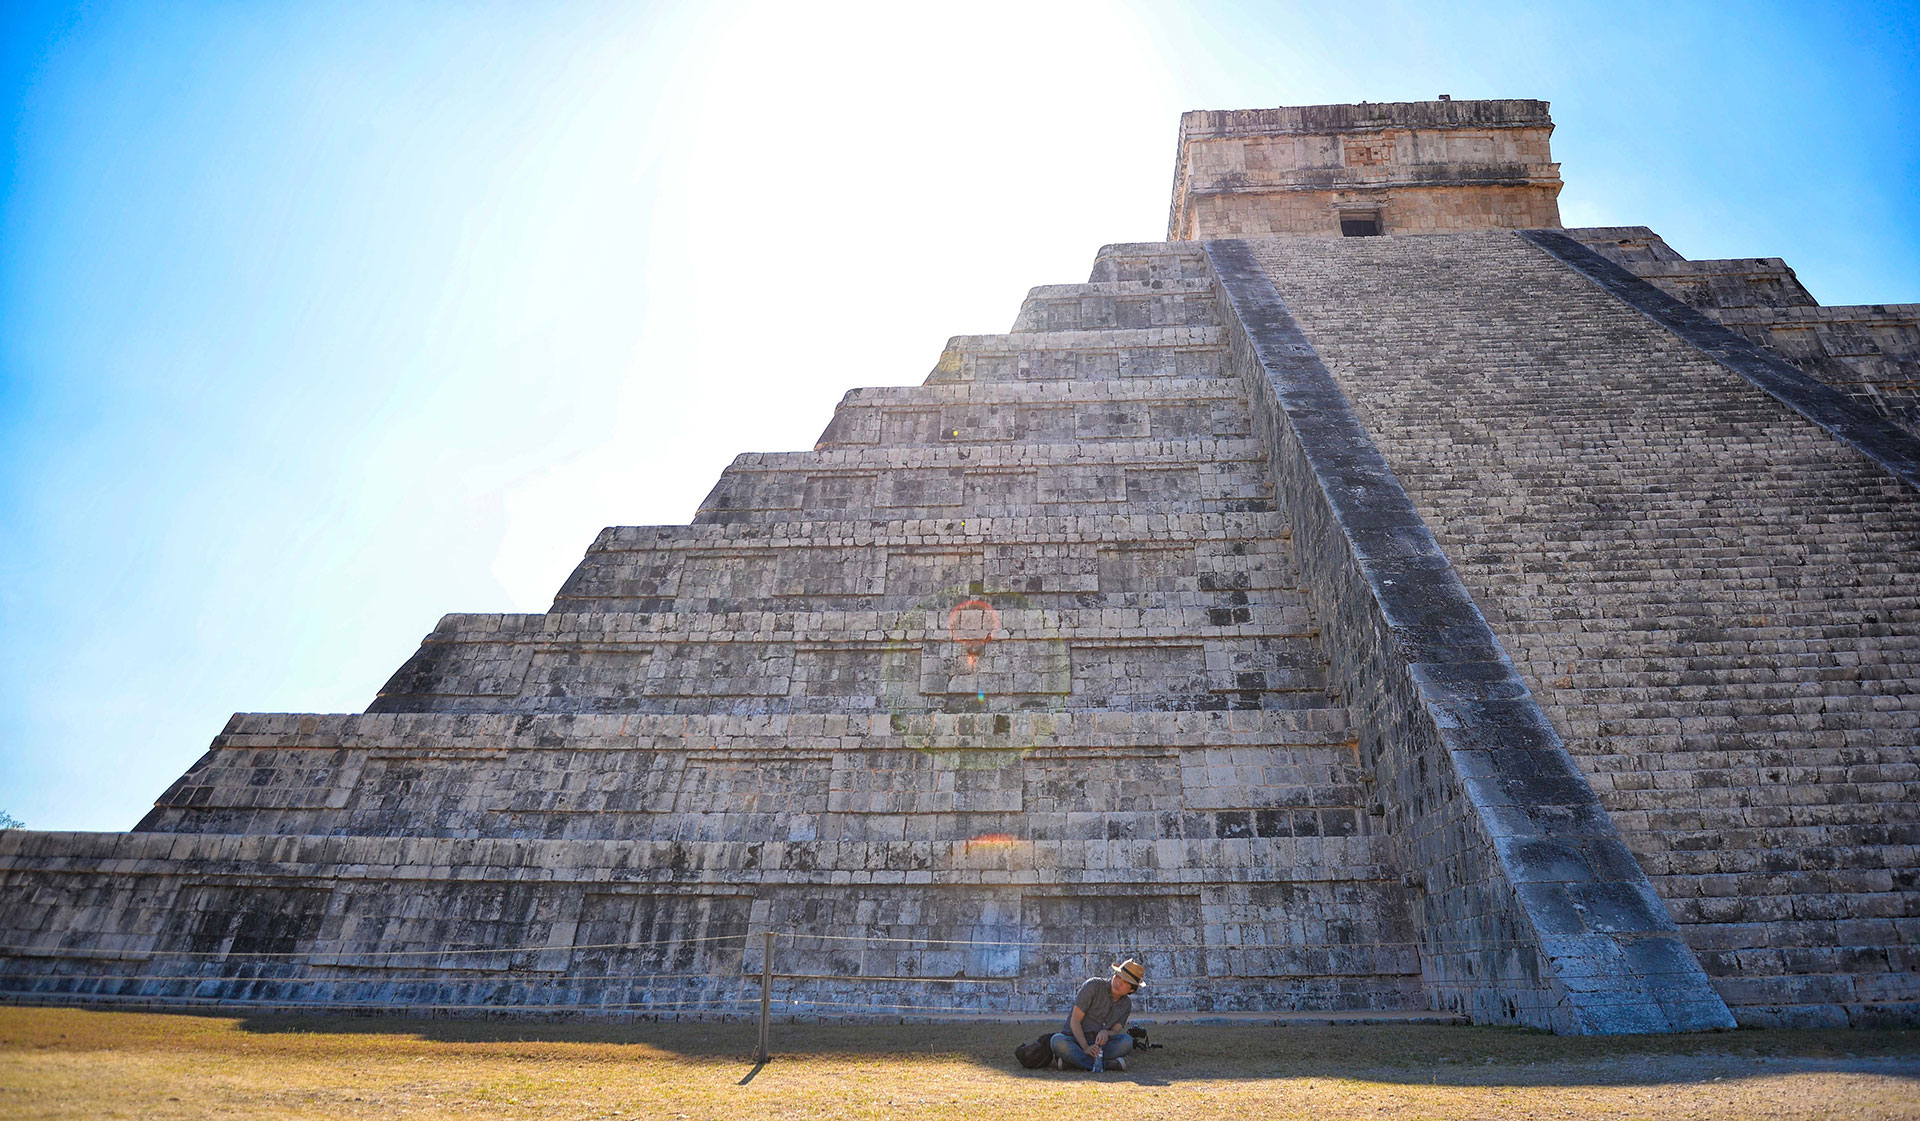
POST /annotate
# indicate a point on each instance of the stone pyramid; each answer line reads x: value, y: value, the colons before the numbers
x: 1347, y: 625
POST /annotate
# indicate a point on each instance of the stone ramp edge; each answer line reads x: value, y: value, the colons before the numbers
x: 1535, y: 911
x: 1865, y: 431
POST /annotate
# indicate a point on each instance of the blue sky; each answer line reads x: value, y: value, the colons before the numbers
x: 318, y: 321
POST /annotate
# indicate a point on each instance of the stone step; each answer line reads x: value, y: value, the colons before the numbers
x: 1705, y: 735
x: 1864, y: 895
x: 1119, y: 305
x: 1208, y: 560
x: 1758, y: 770
x: 1135, y: 477
x: 1724, y: 825
x: 1790, y: 551
x: 1084, y: 356
x: 1256, y: 656
x: 980, y: 412
x: 1746, y: 660
x: 1763, y: 837
x: 1744, y: 629
x: 1886, y: 938
x: 1761, y: 726
x: 1728, y: 657
x: 1844, y: 865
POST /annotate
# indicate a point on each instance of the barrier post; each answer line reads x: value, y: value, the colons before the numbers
x: 766, y: 991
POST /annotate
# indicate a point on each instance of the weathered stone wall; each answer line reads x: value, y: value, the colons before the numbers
x: 487, y: 875
x: 1254, y: 656
x: 1423, y: 209
x: 1107, y: 560
x: 1418, y: 166
x: 1714, y: 600
x: 1871, y: 352
x: 775, y: 778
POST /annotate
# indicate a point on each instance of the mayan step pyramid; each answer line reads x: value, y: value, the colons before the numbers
x: 1503, y: 621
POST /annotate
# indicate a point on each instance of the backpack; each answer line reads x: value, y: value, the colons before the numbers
x: 1037, y: 1054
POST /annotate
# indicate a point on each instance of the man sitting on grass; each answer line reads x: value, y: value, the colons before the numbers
x: 1100, y: 1011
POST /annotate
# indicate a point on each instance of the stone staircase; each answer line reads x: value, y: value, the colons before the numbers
x: 1717, y: 603
x: 1869, y: 352
x: 1010, y: 675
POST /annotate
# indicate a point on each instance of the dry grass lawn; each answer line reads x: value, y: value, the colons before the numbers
x: 68, y: 1063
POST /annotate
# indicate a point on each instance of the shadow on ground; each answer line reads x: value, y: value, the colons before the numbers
x: 1428, y: 1054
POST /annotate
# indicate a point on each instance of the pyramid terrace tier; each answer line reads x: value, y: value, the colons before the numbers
x: 1755, y: 282
x: 1085, y: 356
x: 1119, y: 305
x: 1871, y: 353
x: 1017, y: 480
x: 1000, y: 412
x: 673, y: 928
x: 967, y: 656
x: 1149, y: 262
x: 1088, y: 561
x: 1030, y: 777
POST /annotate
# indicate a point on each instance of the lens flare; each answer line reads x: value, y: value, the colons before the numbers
x: 971, y: 623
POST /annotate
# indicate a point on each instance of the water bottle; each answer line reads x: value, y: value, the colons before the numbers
x: 1100, y: 1062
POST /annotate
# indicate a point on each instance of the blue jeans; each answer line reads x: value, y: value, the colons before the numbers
x: 1118, y: 1044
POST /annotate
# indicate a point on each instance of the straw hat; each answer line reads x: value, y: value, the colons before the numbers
x: 1133, y: 972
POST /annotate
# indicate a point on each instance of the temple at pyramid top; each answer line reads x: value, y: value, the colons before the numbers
x: 1366, y: 169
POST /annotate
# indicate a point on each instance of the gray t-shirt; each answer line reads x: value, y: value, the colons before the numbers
x: 1095, y: 998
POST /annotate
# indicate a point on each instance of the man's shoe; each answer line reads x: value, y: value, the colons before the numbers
x: 1117, y: 1064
